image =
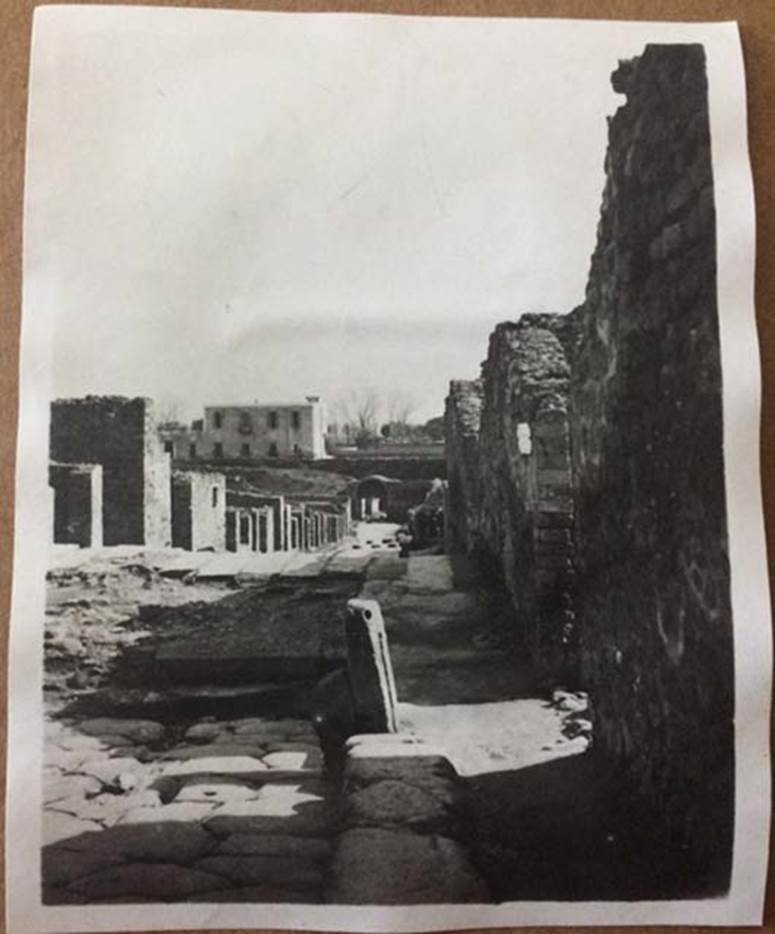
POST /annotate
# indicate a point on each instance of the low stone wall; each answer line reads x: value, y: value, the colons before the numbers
x: 403, y: 808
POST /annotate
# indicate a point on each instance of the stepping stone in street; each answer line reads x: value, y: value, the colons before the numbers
x: 312, y: 751
x: 216, y: 765
x: 187, y: 812
x: 232, y: 749
x: 287, y: 760
x: 146, y: 880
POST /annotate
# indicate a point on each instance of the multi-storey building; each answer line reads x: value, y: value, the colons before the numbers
x: 248, y: 432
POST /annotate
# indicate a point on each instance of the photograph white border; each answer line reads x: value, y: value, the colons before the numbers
x: 749, y: 580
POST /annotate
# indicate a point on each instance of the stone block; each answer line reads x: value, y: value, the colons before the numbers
x: 370, y: 668
x: 385, y: 867
x: 156, y: 881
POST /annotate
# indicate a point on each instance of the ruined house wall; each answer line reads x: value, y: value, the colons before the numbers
x: 198, y: 510
x: 157, y: 469
x: 462, y: 423
x: 120, y: 434
x: 526, y: 507
x: 647, y: 437
x: 77, y: 491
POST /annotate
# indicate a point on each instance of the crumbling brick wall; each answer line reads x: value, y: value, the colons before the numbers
x: 121, y: 435
x: 649, y: 474
x: 462, y: 424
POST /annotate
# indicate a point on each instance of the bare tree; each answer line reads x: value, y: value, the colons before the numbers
x: 400, y: 407
x: 360, y: 409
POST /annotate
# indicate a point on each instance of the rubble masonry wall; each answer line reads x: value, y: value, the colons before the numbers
x: 120, y: 435
x: 646, y: 414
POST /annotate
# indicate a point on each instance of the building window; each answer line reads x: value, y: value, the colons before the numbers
x: 245, y: 426
x: 215, y: 496
x: 273, y: 419
x: 192, y: 450
x: 169, y: 447
x: 295, y: 420
x: 217, y: 419
x: 273, y: 450
x: 218, y: 450
x: 244, y: 529
x: 245, y: 450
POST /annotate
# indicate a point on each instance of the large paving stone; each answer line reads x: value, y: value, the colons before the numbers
x: 262, y: 870
x: 286, y: 727
x: 203, y: 732
x: 70, y: 786
x: 233, y: 749
x: 146, y: 880
x: 65, y: 759
x: 106, y: 809
x: 59, y: 826
x: 154, y: 842
x: 384, y: 867
x: 185, y: 812
x: 215, y: 765
x: 310, y: 849
x: 215, y: 792
x: 139, y: 731
x: 288, y: 760
x: 60, y: 866
x: 275, y: 815
x: 109, y: 771
x: 259, y: 894
x: 392, y: 802
x: 381, y: 749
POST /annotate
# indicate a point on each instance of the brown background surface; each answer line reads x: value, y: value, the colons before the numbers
x: 757, y: 24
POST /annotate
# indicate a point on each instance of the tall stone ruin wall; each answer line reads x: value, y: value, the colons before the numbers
x: 119, y: 434
x: 619, y: 404
x: 462, y: 422
x: 646, y: 411
x: 526, y: 507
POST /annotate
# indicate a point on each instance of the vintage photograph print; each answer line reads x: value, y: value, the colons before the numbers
x: 377, y: 443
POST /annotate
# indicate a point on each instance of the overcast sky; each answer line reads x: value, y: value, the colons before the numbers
x: 231, y: 207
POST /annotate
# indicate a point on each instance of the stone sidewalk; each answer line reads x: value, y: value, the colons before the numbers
x: 466, y: 709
